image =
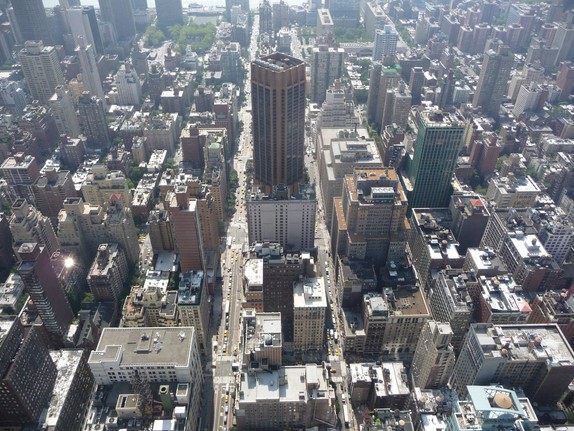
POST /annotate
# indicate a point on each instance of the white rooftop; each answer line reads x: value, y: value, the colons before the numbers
x: 310, y: 293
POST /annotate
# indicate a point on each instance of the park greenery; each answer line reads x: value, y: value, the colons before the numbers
x: 200, y: 37
x: 345, y: 35
x: 365, y: 65
x: 233, y: 185
x: 153, y: 37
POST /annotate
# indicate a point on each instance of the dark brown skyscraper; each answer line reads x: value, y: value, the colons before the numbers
x: 278, y: 102
x: 45, y: 290
x: 27, y: 374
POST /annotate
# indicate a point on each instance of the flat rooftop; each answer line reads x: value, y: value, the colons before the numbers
x: 190, y: 287
x: 266, y: 331
x: 310, y: 293
x: 528, y: 246
x: 404, y: 301
x: 516, y: 184
x: 288, y: 384
x: 67, y: 362
x: 485, y: 259
x: 435, y: 117
x: 145, y: 346
x: 6, y: 323
x: 503, y: 295
x: 526, y: 342
x: 253, y: 272
x: 278, y: 62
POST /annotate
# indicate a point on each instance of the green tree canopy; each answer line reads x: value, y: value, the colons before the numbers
x: 200, y: 37
x: 345, y: 34
x: 153, y: 37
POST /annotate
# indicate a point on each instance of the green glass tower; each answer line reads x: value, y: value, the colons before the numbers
x: 439, y: 140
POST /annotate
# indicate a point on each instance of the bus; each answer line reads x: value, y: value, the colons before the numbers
x: 346, y: 416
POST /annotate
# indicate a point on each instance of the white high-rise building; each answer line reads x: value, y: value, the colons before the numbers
x: 157, y: 355
x: 90, y: 75
x: 528, y: 98
x: 128, y: 85
x: 283, y: 218
x: 64, y: 113
x: 309, y: 308
x: 385, y: 42
x: 557, y: 236
x: 41, y: 68
x: 336, y: 110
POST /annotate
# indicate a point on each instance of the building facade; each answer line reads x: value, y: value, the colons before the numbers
x: 41, y: 68
x: 278, y: 102
x: 430, y: 169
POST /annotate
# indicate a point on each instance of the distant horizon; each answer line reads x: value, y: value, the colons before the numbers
x: 151, y: 3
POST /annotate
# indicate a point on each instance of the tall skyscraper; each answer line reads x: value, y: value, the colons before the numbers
x: 186, y: 229
x: 128, y: 85
x: 32, y: 21
x: 564, y: 42
x: 434, y: 356
x: 344, y: 12
x: 229, y: 4
x: 141, y: 4
x: 278, y: 103
x: 69, y: 3
x: 439, y: 139
x: 326, y: 67
x: 385, y: 42
x: 493, y: 81
x: 82, y: 21
x: 369, y: 217
x: 27, y: 374
x: 108, y: 273
x: 93, y: 120
x: 90, y: 75
x: 64, y: 112
x: 120, y: 13
x: 41, y: 68
x: 28, y: 224
x: 169, y: 12
x: 45, y: 290
x: 382, y: 79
